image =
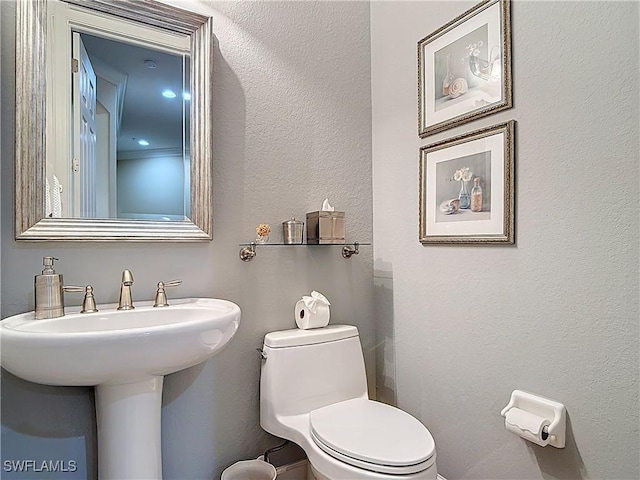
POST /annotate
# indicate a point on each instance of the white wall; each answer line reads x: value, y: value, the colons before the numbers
x: 557, y: 314
x: 292, y: 126
x: 151, y: 184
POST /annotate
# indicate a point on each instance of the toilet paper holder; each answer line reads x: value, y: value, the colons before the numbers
x: 544, y: 407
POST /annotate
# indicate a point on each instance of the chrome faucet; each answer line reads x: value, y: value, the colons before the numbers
x: 126, y: 302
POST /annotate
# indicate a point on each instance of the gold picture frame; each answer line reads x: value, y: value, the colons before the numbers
x: 464, y: 68
x: 467, y: 188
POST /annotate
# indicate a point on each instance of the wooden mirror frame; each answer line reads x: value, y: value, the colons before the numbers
x: 30, y: 128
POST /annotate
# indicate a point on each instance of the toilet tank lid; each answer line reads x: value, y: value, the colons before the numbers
x: 297, y: 337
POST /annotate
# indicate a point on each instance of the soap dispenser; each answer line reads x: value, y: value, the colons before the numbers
x: 48, y: 291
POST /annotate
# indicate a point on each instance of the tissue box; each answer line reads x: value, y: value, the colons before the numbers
x: 325, y: 227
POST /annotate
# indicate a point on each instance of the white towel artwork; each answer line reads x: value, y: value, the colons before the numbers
x: 56, y: 210
x: 47, y: 199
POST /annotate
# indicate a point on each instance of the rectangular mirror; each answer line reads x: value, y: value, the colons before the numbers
x: 113, y: 121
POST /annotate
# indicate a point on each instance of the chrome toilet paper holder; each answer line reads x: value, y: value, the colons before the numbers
x: 542, y: 407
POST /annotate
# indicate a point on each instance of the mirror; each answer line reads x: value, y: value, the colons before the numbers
x: 159, y: 34
x: 128, y: 120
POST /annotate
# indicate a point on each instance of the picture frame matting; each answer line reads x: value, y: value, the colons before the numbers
x: 467, y: 188
x: 464, y: 68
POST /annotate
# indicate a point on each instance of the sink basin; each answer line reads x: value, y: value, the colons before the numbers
x: 125, y: 355
x: 114, y: 346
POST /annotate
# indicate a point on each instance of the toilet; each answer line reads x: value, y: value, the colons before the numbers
x: 313, y: 392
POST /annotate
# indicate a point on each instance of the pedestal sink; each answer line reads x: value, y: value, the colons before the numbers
x: 125, y: 355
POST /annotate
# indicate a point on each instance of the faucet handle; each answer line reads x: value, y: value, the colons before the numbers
x: 89, y: 302
x: 161, y: 296
x: 73, y: 289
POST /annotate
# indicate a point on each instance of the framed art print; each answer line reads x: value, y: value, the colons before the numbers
x: 464, y: 68
x: 467, y: 188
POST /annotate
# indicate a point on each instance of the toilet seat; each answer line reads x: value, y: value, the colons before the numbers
x: 373, y: 436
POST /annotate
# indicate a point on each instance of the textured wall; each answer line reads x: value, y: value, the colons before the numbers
x: 557, y: 314
x: 292, y: 126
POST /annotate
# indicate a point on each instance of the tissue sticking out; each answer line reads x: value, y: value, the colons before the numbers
x: 312, y: 311
x: 314, y: 300
x: 326, y: 207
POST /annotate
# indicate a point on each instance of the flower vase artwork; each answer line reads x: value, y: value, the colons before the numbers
x: 465, y: 198
x: 262, y: 231
x: 448, y: 78
x: 488, y: 70
x: 463, y: 175
x: 476, y: 196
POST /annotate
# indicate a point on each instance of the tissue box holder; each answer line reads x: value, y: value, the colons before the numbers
x: 325, y: 227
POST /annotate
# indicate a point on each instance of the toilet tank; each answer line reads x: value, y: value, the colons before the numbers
x: 308, y: 369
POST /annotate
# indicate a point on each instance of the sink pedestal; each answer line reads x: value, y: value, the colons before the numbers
x: 124, y: 354
x: 129, y: 438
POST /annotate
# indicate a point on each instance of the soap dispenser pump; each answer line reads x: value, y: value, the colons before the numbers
x: 48, y: 291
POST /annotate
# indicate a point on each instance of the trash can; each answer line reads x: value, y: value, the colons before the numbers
x: 250, y: 470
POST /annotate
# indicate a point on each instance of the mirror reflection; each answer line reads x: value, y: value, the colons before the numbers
x: 130, y: 129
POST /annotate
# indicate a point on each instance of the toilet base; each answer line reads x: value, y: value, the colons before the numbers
x: 311, y: 476
x: 428, y: 474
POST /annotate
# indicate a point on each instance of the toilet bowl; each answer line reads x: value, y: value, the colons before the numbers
x: 313, y: 392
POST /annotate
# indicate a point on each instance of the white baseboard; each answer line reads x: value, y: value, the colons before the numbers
x: 440, y: 477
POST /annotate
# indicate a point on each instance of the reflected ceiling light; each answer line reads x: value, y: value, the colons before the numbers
x: 143, y: 142
x: 168, y: 93
x: 186, y: 96
x: 150, y: 63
